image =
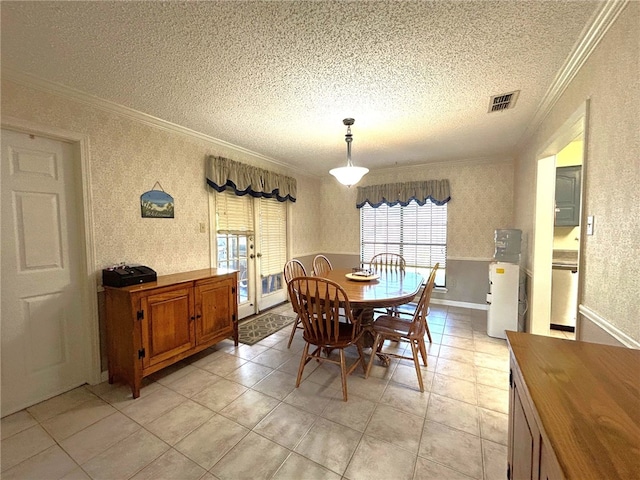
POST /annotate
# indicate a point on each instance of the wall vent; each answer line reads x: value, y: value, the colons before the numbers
x: 504, y: 101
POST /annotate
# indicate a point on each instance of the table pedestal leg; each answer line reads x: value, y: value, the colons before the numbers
x: 366, y: 320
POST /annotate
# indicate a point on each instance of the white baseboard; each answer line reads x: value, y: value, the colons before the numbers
x: 455, y: 303
x: 616, y: 333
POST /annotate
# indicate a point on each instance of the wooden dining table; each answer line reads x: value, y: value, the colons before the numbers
x: 393, y: 287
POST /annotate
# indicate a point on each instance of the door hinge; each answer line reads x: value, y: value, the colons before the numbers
x: 141, y: 353
x: 510, y: 378
x: 140, y: 315
x: 233, y: 290
x: 233, y: 317
x: 508, y: 471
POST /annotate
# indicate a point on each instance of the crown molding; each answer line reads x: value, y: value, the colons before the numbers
x: 458, y: 162
x: 602, y: 20
x: 79, y: 96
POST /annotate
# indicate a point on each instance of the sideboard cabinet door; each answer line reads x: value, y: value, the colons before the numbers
x: 522, y: 442
x: 549, y: 469
x: 167, y: 325
x: 215, y: 309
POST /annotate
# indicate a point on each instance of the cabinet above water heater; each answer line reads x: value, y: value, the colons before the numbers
x: 568, y: 196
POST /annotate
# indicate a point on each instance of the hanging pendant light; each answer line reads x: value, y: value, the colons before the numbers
x: 349, y: 175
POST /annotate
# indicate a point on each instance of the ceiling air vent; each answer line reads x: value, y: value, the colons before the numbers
x: 504, y: 101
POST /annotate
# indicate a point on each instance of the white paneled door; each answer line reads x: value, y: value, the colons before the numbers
x: 45, y: 342
x: 251, y: 237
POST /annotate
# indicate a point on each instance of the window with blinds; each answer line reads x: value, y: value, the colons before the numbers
x: 234, y: 214
x: 418, y: 233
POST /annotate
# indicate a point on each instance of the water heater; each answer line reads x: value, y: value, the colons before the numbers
x: 502, y: 298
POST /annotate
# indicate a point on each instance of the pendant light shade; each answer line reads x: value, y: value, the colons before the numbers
x: 349, y: 175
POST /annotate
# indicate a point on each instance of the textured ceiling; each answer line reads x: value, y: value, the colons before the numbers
x: 278, y: 77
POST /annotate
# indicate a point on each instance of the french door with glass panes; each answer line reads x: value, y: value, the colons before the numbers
x: 251, y: 237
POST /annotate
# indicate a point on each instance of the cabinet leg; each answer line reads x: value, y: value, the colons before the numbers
x: 235, y: 333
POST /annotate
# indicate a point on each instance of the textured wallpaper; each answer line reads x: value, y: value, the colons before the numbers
x: 306, y: 227
x: 127, y: 158
x: 611, y: 275
x: 481, y: 201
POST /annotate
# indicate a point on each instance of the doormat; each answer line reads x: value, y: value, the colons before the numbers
x: 255, y: 329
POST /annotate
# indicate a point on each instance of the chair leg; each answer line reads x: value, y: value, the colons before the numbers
x: 293, y: 331
x: 423, y: 351
x: 361, y: 353
x: 428, y: 331
x: 416, y: 362
x: 303, y: 362
x: 377, y: 343
x: 343, y: 374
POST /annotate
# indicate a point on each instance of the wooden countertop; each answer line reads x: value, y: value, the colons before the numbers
x: 587, y: 399
x: 175, y: 278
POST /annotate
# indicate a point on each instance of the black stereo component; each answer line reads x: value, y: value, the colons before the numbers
x: 125, y: 275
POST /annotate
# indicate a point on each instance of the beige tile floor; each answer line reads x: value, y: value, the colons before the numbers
x: 233, y: 413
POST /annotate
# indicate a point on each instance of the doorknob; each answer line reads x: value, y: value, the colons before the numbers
x: 258, y: 255
x: 252, y: 256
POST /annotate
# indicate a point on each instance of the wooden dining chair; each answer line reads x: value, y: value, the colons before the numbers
x: 326, y: 325
x: 388, y: 327
x: 321, y: 264
x: 294, y: 268
x: 388, y: 261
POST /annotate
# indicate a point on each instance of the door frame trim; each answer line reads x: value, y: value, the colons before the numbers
x: 540, y: 312
x: 89, y: 281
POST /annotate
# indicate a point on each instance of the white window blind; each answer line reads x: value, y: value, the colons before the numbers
x: 418, y: 233
x: 234, y: 213
x: 273, y: 236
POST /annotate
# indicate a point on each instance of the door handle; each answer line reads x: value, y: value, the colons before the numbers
x: 252, y: 256
x: 258, y: 255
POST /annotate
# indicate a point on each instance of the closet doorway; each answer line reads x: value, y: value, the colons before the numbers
x: 552, y: 242
x: 49, y: 327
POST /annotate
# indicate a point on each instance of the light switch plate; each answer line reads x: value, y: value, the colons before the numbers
x: 590, y: 225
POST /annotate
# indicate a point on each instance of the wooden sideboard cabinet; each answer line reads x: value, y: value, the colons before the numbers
x: 153, y: 325
x: 574, y: 410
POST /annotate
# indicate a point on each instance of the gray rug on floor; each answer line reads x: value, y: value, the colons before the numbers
x: 255, y: 329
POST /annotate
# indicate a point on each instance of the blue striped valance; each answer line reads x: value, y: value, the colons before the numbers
x: 402, y: 193
x: 224, y: 174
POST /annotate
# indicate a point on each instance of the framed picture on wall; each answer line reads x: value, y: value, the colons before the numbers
x: 156, y: 204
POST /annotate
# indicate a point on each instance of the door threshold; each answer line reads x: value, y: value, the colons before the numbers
x: 562, y: 328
